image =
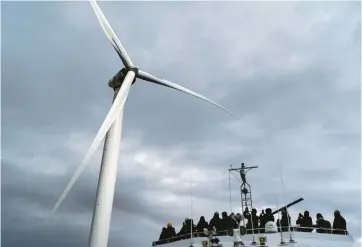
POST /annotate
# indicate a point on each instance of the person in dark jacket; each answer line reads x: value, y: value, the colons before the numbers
x: 247, y: 218
x: 306, y: 222
x: 284, y: 221
x: 215, y: 221
x: 201, y: 225
x: 186, y: 228
x: 235, y: 220
x: 268, y: 215
x: 253, y: 221
x: 300, y: 218
x: 339, y: 224
x: 170, y: 231
x: 232, y: 215
x: 163, y: 234
x: 225, y: 223
x: 246, y: 214
x: 299, y: 222
x: 324, y: 226
x: 262, y: 221
x: 251, y: 217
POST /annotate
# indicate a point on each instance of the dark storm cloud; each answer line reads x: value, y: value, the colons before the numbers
x: 252, y: 95
x: 25, y: 193
x: 43, y: 191
x: 289, y: 70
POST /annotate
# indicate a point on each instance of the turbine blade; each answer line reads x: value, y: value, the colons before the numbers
x: 148, y: 77
x: 117, y: 45
x: 113, y: 113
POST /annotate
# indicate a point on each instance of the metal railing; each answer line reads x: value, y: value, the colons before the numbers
x: 318, y: 229
x: 187, y: 236
x: 293, y: 228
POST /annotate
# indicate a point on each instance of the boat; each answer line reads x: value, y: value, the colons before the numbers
x: 271, y: 235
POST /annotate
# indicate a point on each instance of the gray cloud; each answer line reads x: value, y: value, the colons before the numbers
x: 291, y: 71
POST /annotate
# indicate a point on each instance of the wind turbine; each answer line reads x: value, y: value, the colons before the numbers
x: 111, y: 129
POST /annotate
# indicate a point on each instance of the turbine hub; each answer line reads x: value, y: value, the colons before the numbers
x: 117, y: 79
x: 134, y: 69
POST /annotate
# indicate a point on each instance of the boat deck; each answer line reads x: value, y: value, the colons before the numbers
x: 302, y: 239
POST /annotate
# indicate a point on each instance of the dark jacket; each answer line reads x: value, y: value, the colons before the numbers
x: 340, y: 224
x: 325, y: 224
x: 225, y: 222
x: 306, y: 221
x: 215, y: 222
x: 163, y: 234
x: 268, y: 215
x: 202, y: 224
x: 170, y: 232
x: 186, y: 227
x: 284, y: 222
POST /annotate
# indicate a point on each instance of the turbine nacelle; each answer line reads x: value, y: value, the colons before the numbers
x: 117, y: 80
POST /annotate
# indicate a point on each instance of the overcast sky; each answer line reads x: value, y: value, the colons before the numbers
x: 291, y: 71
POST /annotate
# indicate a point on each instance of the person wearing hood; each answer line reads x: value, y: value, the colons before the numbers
x: 284, y: 222
x: 306, y: 222
x: 231, y: 215
x: 324, y: 226
x: 215, y: 221
x: 201, y: 225
x: 163, y: 234
x: 235, y: 220
x: 253, y: 221
x: 225, y: 223
x: 182, y: 230
x: 268, y: 215
x: 246, y: 214
x: 262, y: 221
x: 339, y: 224
x: 186, y: 228
x: 300, y: 219
x: 299, y: 222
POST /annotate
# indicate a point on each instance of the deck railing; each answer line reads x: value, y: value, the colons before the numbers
x: 293, y: 228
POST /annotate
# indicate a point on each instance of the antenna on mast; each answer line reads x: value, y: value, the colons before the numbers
x: 245, y: 193
x: 280, y: 226
x: 291, y: 240
x: 231, y: 207
x: 191, y: 209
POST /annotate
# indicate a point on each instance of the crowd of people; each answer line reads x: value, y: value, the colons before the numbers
x: 323, y: 226
x: 255, y: 224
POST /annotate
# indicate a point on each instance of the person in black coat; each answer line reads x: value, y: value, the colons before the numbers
x: 268, y: 215
x: 284, y: 221
x: 339, y: 224
x: 215, y: 221
x: 253, y: 221
x: 201, y: 225
x: 163, y: 234
x: 170, y: 231
x: 225, y: 223
x: 262, y: 221
x: 306, y: 222
x: 186, y: 228
x: 324, y: 226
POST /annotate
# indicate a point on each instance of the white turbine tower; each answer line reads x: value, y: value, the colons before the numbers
x: 121, y: 83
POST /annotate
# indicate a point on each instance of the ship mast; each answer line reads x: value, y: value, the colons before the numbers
x: 245, y: 188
